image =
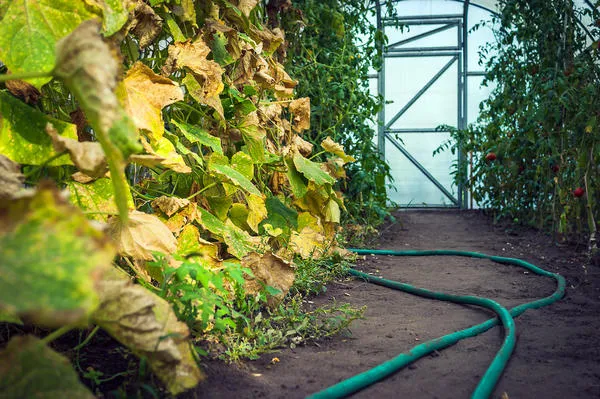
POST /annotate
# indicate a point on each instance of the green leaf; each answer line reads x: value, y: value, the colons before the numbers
x: 8, y: 317
x: 243, y: 163
x: 220, y: 206
x: 30, y: 30
x: 239, y: 215
x: 276, y: 207
x: 297, y: 181
x: 97, y: 196
x: 115, y: 16
x: 311, y: 170
x: 210, y: 222
x: 22, y: 133
x: 51, y: 260
x: 197, y: 135
x: 237, y: 240
x: 30, y: 369
x: 235, y: 177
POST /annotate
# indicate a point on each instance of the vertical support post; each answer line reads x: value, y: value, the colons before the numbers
x: 464, y: 195
x: 381, y: 86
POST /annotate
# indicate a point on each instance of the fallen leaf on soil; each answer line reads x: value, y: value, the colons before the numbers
x: 143, y: 234
x: 147, y: 325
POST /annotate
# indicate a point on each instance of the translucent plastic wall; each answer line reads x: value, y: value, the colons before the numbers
x: 431, y: 77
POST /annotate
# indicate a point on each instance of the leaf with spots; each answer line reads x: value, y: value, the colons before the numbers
x: 96, y: 198
x: 30, y: 30
x: 236, y: 178
x: 52, y: 259
x: 22, y: 133
x: 30, y: 369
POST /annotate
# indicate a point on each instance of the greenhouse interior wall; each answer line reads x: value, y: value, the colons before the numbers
x: 432, y: 76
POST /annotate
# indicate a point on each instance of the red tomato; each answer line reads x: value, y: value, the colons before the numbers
x: 491, y: 156
x: 578, y: 192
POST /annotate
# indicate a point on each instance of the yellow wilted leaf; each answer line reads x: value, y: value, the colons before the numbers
x: 143, y: 234
x: 245, y: 6
x: 269, y: 270
x: 191, y: 245
x: 257, y: 211
x: 144, y: 94
x: 169, y: 157
x: 331, y: 146
x: 301, y: 110
x: 307, y: 243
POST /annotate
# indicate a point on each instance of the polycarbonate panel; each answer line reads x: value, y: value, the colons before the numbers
x: 448, y: 37
x: 411, y: 186
x: 475, y: 95
x: 438, y: 105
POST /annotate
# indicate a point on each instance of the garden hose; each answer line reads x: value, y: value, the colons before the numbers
x: 487, y: 383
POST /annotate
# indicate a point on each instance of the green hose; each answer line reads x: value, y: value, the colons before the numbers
x: 489, y: 380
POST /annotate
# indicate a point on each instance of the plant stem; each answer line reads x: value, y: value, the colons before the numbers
x: 87, y: 339
x: 211, y: 185
x: 24, y: 75
x: 56, y: 334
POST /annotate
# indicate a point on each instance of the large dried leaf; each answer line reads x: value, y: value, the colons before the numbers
x: 301, y: 110
x: 11, y: 178
x: 88, y: 156
x: 30, y: 369
x: 198, y: 93
x: 269, y: 270
x: 144, y: 24
x: 331, y: 146
x: 147, y: 325
x: 51, y: 259
x: 22, y: 133
x: 207, y: 73
x: 245, y: 6
x: 30, y: 30
x: 90, y: 69
x: 170, y: 205
x: 144, y: 94
x: 143, y: 234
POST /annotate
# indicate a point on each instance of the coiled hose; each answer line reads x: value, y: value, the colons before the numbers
x: 489, y: 380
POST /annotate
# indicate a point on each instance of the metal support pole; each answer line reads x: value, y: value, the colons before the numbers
x: 462, y: 157
x: 381, y: 88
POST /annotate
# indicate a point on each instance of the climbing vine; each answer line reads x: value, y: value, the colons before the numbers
x: 166, y: 135
x: 332, y: 46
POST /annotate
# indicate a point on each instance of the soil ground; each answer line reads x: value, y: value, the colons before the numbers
x: 558, y: 347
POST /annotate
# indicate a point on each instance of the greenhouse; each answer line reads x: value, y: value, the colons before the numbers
x: 299, y: 198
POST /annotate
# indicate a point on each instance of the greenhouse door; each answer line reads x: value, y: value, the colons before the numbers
x: 422, y: 82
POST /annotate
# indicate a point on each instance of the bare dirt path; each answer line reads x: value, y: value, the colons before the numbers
x: 558, y: 347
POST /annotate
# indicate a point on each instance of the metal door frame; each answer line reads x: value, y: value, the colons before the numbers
x: 458, y: 55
